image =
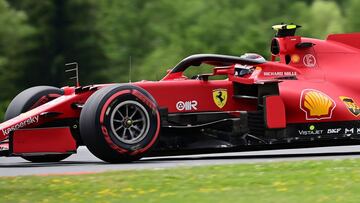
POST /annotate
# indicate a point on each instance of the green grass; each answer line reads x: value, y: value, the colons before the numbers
x: 303, y: 181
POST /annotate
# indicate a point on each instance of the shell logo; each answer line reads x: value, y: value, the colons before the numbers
x: 316, y: 104
x: 295, y: 58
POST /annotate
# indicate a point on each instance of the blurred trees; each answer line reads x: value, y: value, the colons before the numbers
x: 65, y: 31
x: 325, y: 17
x: 13, y: 33
x: 157, y: 34
x: 352, y: 21
x: 38, y: 37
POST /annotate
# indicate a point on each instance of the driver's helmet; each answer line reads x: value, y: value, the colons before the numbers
x: 241, y: 70
x: 254, y: 56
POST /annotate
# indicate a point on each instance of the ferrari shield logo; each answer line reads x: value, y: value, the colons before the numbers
x: 220, y: 97
x: 351, y: 105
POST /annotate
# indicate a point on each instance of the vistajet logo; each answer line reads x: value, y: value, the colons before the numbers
x: 311, y: 131
x: 29, y: 121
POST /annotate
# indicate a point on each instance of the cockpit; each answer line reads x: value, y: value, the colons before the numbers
x: 288, y: 53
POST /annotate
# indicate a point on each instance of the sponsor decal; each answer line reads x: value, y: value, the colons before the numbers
x: 316, y: 104
x: 220, y: 97
x: 351, y: 105
x: 186, y: 105
x: 29, y: 121
x: 309, y: 60
x: 333, y: 131
x: 295, y: 58
x: 279, y: 73
x: 349, y: 130
x: 310, y: 131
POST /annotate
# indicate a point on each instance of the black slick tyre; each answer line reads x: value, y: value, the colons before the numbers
x: 120, y: 123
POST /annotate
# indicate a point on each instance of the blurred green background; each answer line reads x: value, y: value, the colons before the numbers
x: 38, y: 37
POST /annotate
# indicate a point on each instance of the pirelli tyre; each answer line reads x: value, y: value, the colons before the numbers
x: 120, y: 123
x: 29, y: 99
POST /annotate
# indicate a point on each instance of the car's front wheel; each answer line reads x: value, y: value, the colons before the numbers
x: 120, y: 123
x: 27, y: 100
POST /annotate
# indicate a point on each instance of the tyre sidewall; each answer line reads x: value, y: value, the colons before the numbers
x: 25, y: 100
x: 95, y: 129
x: 108, y: 133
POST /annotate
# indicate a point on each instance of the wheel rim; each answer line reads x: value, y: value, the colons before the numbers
x: 129, y: 122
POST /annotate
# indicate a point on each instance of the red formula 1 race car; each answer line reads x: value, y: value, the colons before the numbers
x: 305, y: 96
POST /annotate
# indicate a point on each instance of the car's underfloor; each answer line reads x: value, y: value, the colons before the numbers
x: 244, y: 131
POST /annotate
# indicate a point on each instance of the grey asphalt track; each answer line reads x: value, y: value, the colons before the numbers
x: 85, y: 162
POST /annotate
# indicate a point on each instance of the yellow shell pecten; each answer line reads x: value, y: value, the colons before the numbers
x: 317, y: 103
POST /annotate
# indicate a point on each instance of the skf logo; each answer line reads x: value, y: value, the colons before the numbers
x: 316, y: 105
x: 334, y: 131
x: 186, y: 105
x: 220, y: 97
x: 351, y: 105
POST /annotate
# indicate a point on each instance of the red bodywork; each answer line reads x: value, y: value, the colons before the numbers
x: 312, y: 81
x: 38, y: 141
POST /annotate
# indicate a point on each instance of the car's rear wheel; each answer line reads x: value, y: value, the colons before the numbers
x: 120, y: 123
x: 27, y: 100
